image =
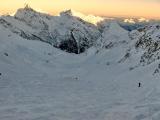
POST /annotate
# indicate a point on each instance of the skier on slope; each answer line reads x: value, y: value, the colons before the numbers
x: 139, y: 84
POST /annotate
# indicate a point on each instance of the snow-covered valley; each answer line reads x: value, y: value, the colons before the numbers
x: 41, y: 82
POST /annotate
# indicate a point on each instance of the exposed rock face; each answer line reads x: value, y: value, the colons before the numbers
x: 148, y: 40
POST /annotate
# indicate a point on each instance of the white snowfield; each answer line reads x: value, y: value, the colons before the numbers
x: 40, y: 82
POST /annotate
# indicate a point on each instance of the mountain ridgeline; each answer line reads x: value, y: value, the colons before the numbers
x: 67, y: 32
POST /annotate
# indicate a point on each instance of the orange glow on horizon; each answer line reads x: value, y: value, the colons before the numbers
x: 131, y: 8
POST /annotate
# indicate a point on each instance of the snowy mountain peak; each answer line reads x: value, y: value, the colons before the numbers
x: 116, y: 29
x: 66, y: 32
x: 29, y: 13
x: 136, y: 20
x: 88, y: 18
x: 67, y: 12
x: 25, y: 11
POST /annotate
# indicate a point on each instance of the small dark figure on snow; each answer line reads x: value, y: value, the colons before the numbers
x: 6, y: 54
x: 0, y: 74
x: 139, y: 84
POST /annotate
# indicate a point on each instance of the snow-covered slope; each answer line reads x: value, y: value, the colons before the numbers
x: 41, y: 82
x: 112, y: 35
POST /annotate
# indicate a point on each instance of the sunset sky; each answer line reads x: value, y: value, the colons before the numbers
x: 144, y: 8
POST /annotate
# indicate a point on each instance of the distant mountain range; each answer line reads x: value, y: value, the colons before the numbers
x: 71, y: 31
x: 74, y: 32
